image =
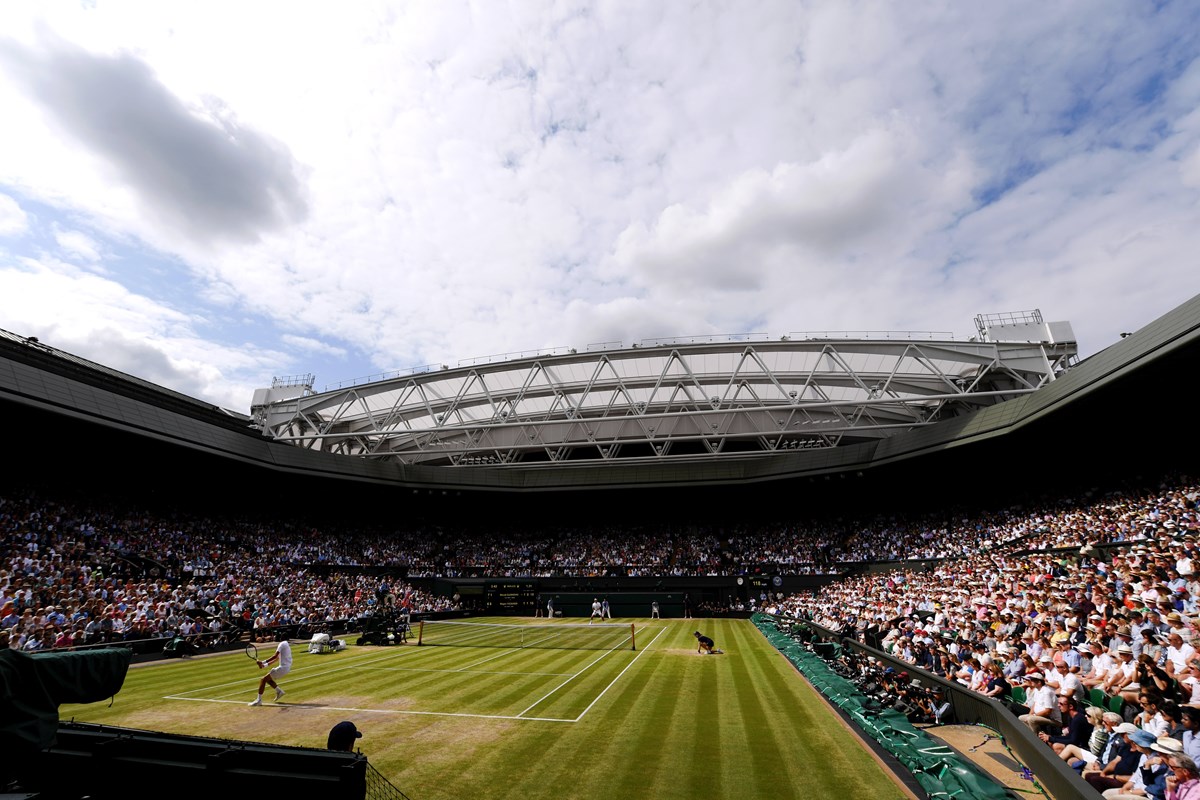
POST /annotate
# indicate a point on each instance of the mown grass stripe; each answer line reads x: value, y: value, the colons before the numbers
x: 751, y: 726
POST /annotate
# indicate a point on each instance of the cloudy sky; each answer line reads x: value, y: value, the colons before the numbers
x: 208, y: 195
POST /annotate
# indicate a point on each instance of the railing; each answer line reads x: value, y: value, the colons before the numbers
x: 972, y: 708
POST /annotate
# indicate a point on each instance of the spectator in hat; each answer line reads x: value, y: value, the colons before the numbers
x: 1119, y: 762
x: 343, y: 736
x: 1122, y: 676
x: 1043, y: 705
x: 1149, y: 776
x: 1154, y: 618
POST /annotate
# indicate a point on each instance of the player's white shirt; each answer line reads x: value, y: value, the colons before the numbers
x: 284, y: 649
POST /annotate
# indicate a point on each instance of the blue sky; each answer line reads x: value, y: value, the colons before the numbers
x: 211, y: 195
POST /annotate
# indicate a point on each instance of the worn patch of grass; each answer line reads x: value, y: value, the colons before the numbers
x: 446, y: 723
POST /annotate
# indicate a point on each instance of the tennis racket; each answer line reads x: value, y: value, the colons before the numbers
x: 252, y: 653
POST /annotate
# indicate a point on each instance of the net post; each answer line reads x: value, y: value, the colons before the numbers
x: 420, y: 631
x: 632, y: 636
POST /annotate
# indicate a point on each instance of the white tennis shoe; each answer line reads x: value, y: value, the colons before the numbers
x: 257, y: 702
x: 278, y: 694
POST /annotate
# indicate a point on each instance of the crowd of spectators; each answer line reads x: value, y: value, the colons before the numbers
x: 87, y: 572
x: 1090, y: 627
x: 75, y: 575
x: 1062, y: 606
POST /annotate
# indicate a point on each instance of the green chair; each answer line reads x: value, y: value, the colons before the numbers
x: 1116, y: 703
x: 1097, y: 698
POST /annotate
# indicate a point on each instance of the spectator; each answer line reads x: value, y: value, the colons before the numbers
x: 343, y: 736
x: 1077, y: 728
x: 1042, y: 702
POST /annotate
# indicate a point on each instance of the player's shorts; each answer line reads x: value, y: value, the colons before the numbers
x: 279, y: 672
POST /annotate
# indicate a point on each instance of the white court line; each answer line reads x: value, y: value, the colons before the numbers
x: 371, y: 659
x: 374, y: 710
x: 485, y: 660
x: 477, y: 671
x: 622, y: 672
x: 358, y: 662
x: 604, y: 655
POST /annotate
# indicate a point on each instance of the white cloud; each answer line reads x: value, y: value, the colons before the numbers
x: 13, y: 220
x: 309, y: 345
x: 78, y: 244
x: 453, y: 181
x: 98, y: 319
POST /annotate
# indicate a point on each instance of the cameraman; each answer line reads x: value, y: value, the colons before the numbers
x: 926, y: 704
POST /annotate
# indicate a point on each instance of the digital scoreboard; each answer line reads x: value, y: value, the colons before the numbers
x: 509, y: 597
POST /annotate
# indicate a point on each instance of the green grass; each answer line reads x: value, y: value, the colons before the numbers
x: 456, y: 722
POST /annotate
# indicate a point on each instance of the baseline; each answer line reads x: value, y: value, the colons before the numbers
x: 302, y: 706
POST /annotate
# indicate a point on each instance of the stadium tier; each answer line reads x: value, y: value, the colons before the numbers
x: 549, y: 636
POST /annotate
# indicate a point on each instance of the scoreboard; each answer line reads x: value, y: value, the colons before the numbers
x: 509, y: 597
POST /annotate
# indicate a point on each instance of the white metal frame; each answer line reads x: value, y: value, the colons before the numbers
x: 681, y: 401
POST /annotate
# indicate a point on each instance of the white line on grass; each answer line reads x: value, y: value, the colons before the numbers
x: 622, y: 672
x: 366, y: 660
x: 477, y: 671
x: 485, y: 660
x: 375, y: 710
x: 580, y: 672
x: 357, y: 662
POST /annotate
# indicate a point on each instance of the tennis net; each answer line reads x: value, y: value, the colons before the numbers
x: 560, y: 637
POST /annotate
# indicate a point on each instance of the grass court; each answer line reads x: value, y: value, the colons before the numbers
x: 488, y: 718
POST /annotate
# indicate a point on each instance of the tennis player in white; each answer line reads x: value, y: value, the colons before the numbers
x: 283, y: 654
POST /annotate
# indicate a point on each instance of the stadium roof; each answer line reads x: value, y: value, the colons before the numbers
x: 672, y: 401
x: 53, y: 402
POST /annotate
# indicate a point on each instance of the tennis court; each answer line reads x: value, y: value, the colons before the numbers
x: 492, y: 715
x: 550, y: 673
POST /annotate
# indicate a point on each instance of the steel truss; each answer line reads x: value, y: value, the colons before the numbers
x: 670, y: 402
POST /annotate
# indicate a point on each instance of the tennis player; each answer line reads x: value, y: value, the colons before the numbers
x: 283, y: 654
x: 705, y: 644
x: 596, y: 611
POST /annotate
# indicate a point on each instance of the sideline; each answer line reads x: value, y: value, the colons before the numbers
x: 890, y: 766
